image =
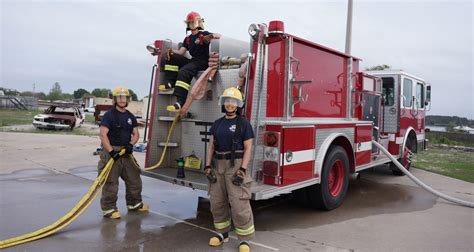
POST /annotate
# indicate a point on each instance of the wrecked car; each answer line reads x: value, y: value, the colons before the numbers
x: 59, y: 116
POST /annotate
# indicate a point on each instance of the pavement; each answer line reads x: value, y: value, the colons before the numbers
x: 42, y: 176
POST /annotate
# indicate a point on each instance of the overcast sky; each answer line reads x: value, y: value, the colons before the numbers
x: 101, y: 44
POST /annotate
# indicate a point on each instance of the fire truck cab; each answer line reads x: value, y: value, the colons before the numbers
x: 314, y: 115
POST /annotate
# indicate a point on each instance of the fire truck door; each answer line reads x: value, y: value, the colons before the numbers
x: 370, y: 112
x: 391, y: 104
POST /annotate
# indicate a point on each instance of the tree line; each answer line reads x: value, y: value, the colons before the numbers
x: 438, y: 120
x: 56, y: 93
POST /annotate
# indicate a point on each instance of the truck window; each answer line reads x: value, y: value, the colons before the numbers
x: 420, y: 96
x: 388, y: 91
x: 407, y: 92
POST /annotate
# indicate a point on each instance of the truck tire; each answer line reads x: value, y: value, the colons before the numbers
x: 334, y: 181
x: 405, y: 160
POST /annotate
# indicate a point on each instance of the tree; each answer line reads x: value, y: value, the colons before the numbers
x: 133, y: 96
x: 27, y: 93
x: 450, y: 127
x: 378, y: 68
x: 67, y: 96
x: 55, y: 93
x: 80, y: 93
x: 40, y: 95
x: 101, y: 92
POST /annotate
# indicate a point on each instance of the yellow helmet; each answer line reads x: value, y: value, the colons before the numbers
x: 232, y: 93
x: 120, y: 90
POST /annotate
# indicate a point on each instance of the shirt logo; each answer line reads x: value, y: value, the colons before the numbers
x: 196, y: 41
x: 129, y: 121
x: 232, y: 128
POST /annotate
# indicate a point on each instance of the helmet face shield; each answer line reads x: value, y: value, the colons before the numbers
x: 225, y: 100
x: 121, y: 98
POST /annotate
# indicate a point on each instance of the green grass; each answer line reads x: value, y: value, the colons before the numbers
x: 17, y: 117
x: 455, y: 164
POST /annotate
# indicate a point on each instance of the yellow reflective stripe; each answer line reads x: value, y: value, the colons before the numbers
x: 108, y: 211
x: 182, y: 84
x: 222, y: 225
x: 247, y: 231
x: 173, y: 68
x: 133, y: 207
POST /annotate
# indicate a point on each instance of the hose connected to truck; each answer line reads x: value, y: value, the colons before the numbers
x: 83, y: 204
x: 419, y: 182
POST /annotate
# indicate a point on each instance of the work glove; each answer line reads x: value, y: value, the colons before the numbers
x: 169, y: 52
x: 238, y: 177
x: 114, y: 154
x: 210, y: 174
x: 129, y: 148
x: 208, y: 38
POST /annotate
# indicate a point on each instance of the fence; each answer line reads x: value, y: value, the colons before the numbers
x: 18, y: 102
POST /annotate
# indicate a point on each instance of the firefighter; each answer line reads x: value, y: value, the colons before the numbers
x: 118, y: 129
x: 230, y: 150
x: 179, y: 70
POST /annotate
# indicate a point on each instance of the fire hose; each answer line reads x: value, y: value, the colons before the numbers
x: 84, y: 203
x: 419, y: 182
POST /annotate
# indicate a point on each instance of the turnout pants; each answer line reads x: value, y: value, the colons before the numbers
x: 125, y: 168
x: 179, y: 72
x: 231, y: 203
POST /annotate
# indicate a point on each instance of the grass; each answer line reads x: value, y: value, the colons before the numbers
x: 17, y: 117
x: 455, y: 164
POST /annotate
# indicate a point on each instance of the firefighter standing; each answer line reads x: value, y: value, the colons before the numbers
x: 229, y: 181
x: 118, y: 129
x: 179, y: 70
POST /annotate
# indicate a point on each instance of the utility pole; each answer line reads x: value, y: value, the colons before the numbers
x: 349, y: 61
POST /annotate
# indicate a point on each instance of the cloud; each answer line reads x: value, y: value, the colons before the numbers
x: 102, y: 44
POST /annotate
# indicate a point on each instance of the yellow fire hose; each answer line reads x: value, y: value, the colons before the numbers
x: 84, y: 203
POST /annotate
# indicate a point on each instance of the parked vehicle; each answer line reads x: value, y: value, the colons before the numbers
x: 60, y: 116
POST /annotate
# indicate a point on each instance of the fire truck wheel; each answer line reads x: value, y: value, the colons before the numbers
x: 405, y: 160
x: 334, y: 181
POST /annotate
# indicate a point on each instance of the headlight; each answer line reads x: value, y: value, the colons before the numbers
x: 253, y: 31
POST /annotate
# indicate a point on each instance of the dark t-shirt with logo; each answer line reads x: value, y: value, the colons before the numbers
x: 120, y: 125
x: 224, y: 129
x: 196, y: 46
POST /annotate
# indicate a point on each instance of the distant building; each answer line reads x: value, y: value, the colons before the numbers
x: 466, y: 129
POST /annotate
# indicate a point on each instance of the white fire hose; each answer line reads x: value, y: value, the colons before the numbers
x: 421, y: 184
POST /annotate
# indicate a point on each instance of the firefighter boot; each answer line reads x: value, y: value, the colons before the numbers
x: 111, y: 214
x: 140, y: 207
x: 244, y: 246
x: 174, y: 108
x: 165, y: 87
x: 218, y: 239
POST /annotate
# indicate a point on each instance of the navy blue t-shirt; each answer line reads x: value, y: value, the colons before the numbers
x: 224, y: 133
x: 120, y: 125
x: 197, y: 47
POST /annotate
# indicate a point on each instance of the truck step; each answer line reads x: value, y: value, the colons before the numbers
x: 170, y: 144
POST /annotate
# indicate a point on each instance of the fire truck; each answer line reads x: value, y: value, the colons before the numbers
x: 313, y: 112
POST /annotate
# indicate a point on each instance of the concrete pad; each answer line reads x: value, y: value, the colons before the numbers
x: 40, y: 182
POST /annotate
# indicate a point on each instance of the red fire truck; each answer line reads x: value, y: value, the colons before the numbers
x: 313, y: 111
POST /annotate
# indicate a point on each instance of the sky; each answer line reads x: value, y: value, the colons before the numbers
x: 101, y: 44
